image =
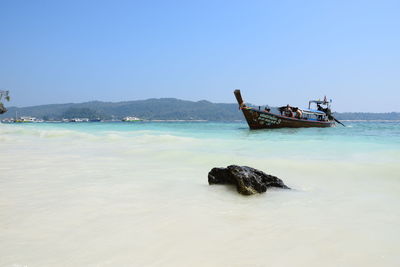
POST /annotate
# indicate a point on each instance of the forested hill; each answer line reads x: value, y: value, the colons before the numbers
x: 159, y: 109
x: 367, y: 116
x: 151, y: 109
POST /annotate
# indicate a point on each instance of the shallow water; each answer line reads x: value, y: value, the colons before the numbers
x: 136, y: 194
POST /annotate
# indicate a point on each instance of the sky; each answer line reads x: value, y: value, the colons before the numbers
x: 276, y: 52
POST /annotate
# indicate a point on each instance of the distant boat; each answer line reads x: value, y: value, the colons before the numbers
x: 290, y: 117
x: 131, y: 119
x: 77, y: 120
x: 27, y: 119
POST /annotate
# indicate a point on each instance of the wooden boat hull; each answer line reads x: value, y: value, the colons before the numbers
x: 257, y: 119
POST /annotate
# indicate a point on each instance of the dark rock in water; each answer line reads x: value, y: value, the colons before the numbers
x: 248, y: 180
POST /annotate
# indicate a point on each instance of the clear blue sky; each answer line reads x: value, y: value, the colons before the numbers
x: 277, y: 52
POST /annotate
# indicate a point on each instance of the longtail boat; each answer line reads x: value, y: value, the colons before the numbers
x: 290, y: 117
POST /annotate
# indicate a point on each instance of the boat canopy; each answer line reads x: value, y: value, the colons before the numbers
x: 320, y: 102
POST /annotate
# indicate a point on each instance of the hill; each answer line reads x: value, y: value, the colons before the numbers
x: 159, y: 109
x: 367, y: 116
x: 151, y: 109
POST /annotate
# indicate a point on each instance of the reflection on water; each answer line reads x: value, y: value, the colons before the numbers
x: 267, y: 132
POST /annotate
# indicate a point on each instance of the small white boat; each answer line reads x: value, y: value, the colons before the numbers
x: 130, y: 119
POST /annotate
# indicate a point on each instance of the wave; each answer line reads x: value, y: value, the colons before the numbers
x: 265, y: 145
x: 11, y: 133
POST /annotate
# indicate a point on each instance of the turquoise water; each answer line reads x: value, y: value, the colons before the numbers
x: 136, y: 194
x: 314, y: 143
x: 379, y: 132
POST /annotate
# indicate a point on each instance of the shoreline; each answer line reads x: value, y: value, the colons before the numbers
x: 120, y: 121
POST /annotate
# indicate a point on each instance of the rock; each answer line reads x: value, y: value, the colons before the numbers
x: 248, y: 180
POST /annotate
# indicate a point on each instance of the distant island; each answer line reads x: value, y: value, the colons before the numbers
x: 158, y: 109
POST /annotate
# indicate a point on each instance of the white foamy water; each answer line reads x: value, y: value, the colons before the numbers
x: 118, y: 195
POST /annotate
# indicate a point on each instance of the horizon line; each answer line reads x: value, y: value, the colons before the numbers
x: 160, y: 98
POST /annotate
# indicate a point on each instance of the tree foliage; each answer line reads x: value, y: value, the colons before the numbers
x: 160, y: 109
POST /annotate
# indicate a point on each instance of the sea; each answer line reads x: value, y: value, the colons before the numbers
x: 137, y: 194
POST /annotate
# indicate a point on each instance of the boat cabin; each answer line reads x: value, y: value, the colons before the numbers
x: 311, y: 114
